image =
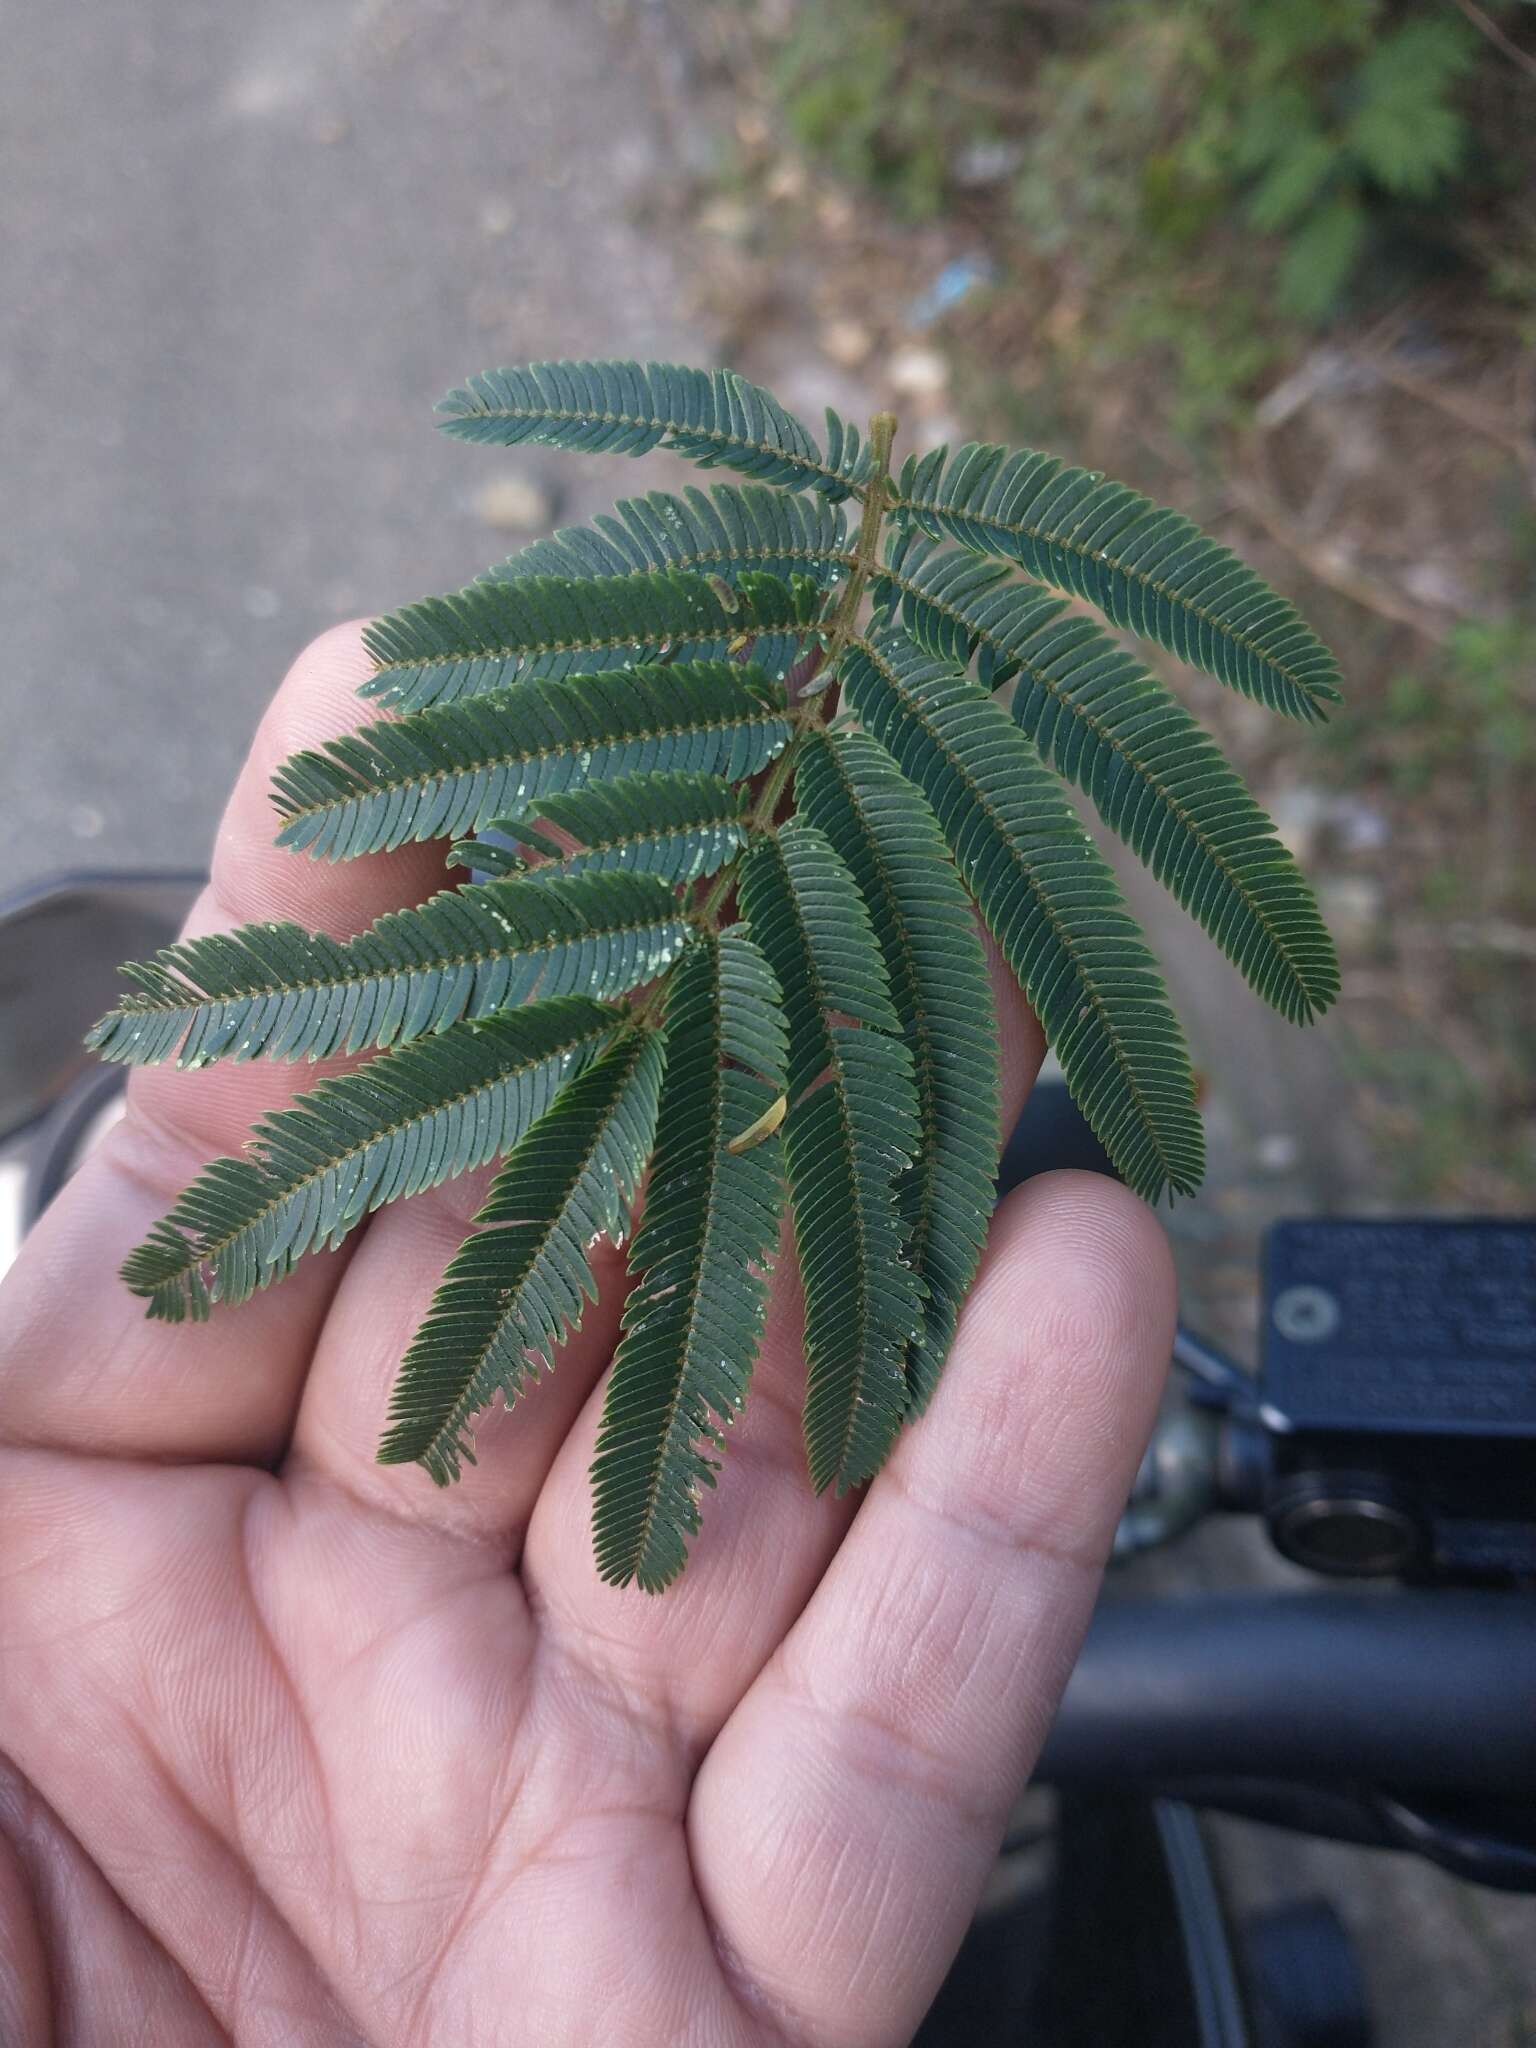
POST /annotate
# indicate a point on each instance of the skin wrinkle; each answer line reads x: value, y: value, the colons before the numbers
x: 289, y: 1692
x: 481, y: 1891
x: 880, y: 1751
x: 991, y: 1531
x: 945, y: 1640
x: 620, y: 1697
x: 199, y: 1980
x: 950, y: 1651
x: 838, y: 1897
x: 258, y: 1899
x: 303, y: 1467
x: 130, y: 1338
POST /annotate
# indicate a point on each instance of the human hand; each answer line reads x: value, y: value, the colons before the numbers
x: 299, y: 1750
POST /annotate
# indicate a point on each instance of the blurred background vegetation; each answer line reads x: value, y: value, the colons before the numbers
x: 1273, y: 261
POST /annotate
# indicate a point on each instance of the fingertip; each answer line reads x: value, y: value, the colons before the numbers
x: 1112, y: 1287
x: 1057, y: 1367
x: 251, y: 877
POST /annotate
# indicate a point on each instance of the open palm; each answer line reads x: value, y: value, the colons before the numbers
x: 299, y: 1750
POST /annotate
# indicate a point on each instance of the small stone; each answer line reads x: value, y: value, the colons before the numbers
x: 1297, y: 810
x: 1277, y: 1152
x: 918, y: 372
x: 497, y: 217
x: 727, y: 218
x: 1351, y: 907
x: 515, y: 504
x: 786, y: 180
x: 987, y: 163
x: 1437, y: 584
x: 847, y: 342
x: 1360, y: 826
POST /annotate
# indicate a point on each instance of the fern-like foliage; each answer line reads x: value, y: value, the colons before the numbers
x: 889, y: 841
x: 676, y: 826
x: 1105, y: 723
x: 694, y: 1318
x: 518, y: 1284
x: 851, y: 1132
x: 735, y: 843
x: 409, y: 1120
x: 733, y: 531
x: 535, y: 628
x: 714, y: 417
x: 455, y: 766
x: 278, y: 991
x: 1147, y: 569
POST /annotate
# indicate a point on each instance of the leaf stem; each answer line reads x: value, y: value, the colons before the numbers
x: 761, y: 814
x: 882, y: 432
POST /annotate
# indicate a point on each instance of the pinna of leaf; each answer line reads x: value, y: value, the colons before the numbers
x: 734, y: 768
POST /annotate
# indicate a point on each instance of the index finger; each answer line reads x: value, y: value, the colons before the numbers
x: 844, y: 1822
x: 82, y: 1369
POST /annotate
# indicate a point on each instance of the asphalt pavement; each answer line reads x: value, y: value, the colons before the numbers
x: 246, y: 249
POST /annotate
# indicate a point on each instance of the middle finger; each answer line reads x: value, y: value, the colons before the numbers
x: 766, y: 1538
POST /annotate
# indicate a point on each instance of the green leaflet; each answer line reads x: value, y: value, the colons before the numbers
x: 732, y: 531
x: 847, y: 1143
x: 888, y: 839
x: 450, y: 769
x: 500, y: 632
x: 279, y: 991
x: 694, y: 1318
x: 407, y: 1121
x: 1051, y: 902
x: 714, y: 417
x: 1156, y: 778
x: 517, y: 1285
x: 677, y: 827
x: 1147, y: 569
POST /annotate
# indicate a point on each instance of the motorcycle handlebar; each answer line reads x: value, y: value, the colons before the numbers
x: 1434, y: 1690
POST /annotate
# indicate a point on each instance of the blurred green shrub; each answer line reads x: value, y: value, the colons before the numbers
x: 1336, y: 134
x: 1455, y: 725
x: 1314, y: 115
x: 852, y: 102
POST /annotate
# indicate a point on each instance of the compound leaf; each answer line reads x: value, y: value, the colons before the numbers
x: 677, y: 827
x: 730, y: 531
x: 1147, y: 569
x: 517, y: 1285
x: 500, y: 632
x: 279, y: 991
x: 851, y: 1133
x: 715, y: 418
x: 408, y: 1120
x: 1051, y: 902
x: 450, y: 769
x: 885, y: 834
x: 1154, y: 775
x: 694, y: 1318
